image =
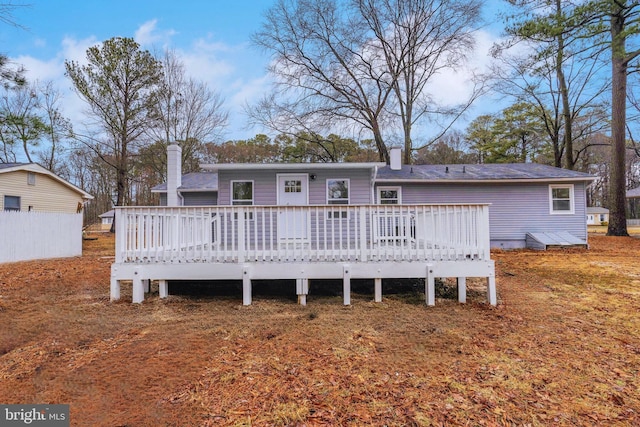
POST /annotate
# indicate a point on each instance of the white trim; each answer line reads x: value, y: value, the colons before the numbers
x: 326, y: 185
x: 389, y: 188
x: 571, y: 210
x: 289, y: 166
x: 389, y: 181
x: 253, y: 191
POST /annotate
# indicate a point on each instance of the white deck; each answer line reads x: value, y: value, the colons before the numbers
x: 302, y: 243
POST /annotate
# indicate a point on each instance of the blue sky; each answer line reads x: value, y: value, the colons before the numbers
x: 212, y: 37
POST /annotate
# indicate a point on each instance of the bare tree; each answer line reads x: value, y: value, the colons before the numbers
x: 187, y: 112
x: 58, y: 127
x: 364, y: 64
x: 419, y: 39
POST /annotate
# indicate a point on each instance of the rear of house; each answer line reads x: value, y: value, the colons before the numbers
x: 524, y: 198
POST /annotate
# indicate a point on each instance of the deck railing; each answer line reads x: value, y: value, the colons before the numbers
x: 326, y: 233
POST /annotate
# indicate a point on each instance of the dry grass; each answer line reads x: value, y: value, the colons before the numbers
x: 562, y: 348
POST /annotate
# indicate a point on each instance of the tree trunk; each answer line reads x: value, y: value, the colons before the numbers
x: 617, y: 183
x: 383, y: 153
x: 564, y: 94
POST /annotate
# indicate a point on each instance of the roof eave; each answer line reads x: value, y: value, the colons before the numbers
x: 482, y: 181
x: 289, y: 166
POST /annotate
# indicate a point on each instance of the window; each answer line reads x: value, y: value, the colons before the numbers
x: 293, y: 186
x: 31, y: 178
x: 242, y: 192
x: 389, y: 195
x: 561, y: 199
x: 11, y: 203
x: 337, y: 191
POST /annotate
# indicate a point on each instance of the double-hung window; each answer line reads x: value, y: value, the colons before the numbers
x: 337, y: 191
x: 389, y: 195
x: 338, y: 194
x: 11, y: 203
x: 242, y: 193
x: 561, y: 200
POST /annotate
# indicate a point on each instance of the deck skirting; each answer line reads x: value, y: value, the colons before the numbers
x: 140, y: 274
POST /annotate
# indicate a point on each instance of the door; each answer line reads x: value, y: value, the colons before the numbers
x: 293, y: 192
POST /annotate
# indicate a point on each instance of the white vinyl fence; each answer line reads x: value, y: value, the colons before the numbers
x: 38, y: 235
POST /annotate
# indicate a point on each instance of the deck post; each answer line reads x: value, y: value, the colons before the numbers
x: 346, y: 284
x: 163, y: 288
x: 147, y: 285
x: 115, y: 289
x: 302, y: 289
x: 246, y: 286
x: 462, y: 289
x: 491, y: 289
x: 115, y: 285
x: 138, y: 287
x: 430, y: 285
x: 377, y: 289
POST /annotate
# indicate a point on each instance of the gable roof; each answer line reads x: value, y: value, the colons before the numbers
x: 34, y: 167
x: 485, y: 173
x: 635, y: 193
x: 597, y: 210
x: 193, y: 182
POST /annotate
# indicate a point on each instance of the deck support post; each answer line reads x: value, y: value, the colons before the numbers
x: 246, y: 286
x: 430, y: 285
x: 163, y: 288
x: 147, y: 285
x: 302, y: 289
x: 115, y: 289
x: 462, y: 289
x: 346, y: 284
x: 138, y: 286
x: 377, y: 289
x: 491, y: 289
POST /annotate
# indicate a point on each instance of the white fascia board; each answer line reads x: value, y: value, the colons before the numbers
x: 289, y: 166
x: 478, y: 181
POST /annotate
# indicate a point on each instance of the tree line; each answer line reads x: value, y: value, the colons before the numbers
x: 351, y: 79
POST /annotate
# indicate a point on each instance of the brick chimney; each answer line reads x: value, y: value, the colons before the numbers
x: 174, y: 174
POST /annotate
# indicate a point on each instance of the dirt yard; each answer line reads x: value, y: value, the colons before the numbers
x: 562, y: 348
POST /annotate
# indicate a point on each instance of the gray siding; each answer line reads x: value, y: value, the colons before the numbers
x: 204, y: 198
x: 265, y: 191
x: 515, y: 210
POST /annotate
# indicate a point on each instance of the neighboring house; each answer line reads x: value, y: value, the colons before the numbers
x: 344, y: 220
x: 106, y: 219
x: 39, y: 214
x: 597, y: 215
x: 30, y: 187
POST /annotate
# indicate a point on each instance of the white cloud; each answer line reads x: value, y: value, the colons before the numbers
x: 147, y: 34
x: 452, y: 87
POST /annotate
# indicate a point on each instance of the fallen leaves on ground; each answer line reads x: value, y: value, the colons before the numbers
x: 561, y: 348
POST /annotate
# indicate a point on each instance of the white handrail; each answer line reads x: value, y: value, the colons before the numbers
x: 319, y: 233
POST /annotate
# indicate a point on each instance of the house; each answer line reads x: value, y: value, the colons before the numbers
x: 597, y: 215
x: 106, y: 219
x: 30, y: 187
x: 525, y: 198
x: 342, y: 221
